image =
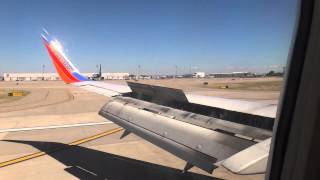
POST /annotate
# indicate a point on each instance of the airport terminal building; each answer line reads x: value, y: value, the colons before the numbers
x: 30, y: 76
x: 55, y: 76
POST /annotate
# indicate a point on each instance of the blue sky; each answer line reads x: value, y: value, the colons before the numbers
x: 207, y: 35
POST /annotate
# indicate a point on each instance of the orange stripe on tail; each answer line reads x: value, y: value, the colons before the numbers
x: 62, y: 71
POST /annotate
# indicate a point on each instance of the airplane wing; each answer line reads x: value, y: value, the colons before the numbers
x: 204, y: 131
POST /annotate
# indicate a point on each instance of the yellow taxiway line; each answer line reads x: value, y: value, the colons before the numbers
x: 72, y: 144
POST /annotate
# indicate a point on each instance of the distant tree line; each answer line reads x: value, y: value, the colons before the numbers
x: 273, y: 73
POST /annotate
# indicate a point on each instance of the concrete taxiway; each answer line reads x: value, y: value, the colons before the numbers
x: 46, y: 122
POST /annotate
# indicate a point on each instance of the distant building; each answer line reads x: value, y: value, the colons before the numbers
x: 145, y: 77
x: 187, y: 75
x: 115, y: 76
x: 110, y: 76
x: 30, y: 76
x: 233, y: 74
x: 199, y: 75
x: 55, y: 76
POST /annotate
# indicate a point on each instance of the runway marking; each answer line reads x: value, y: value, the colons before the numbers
x: 70, y: 145
x: 54, y: 127
x: 87, y: 171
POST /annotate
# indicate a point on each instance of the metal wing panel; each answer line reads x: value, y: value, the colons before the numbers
x: 255, y: 108
x: 250, y: 107
x: 198, y: 159
x: 252, y: 160
x: 195, y: 140
x: 106, y: 89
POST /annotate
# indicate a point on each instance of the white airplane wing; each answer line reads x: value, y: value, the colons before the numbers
x: 204, y: 131
x: 106, y: 89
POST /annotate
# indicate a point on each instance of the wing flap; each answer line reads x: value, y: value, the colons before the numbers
x: 204, y: 147
x: 252, y: 160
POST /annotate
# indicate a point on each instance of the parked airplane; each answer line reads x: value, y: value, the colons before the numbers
x: 97, y: 76
x: 204, y: 131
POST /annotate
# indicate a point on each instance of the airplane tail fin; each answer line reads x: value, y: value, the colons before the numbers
x: 66, y: 70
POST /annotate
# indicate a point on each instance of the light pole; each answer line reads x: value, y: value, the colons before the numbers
x: 43, y: 66
x: 176, y: 66
x: 138, y: 73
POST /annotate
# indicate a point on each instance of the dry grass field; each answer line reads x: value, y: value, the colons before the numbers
x: 191, y: 84
x: 251, y: 85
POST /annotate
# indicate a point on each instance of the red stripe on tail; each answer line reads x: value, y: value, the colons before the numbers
x: 65, y: 75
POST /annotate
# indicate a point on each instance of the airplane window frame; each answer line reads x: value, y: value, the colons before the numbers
x: 294, y: 143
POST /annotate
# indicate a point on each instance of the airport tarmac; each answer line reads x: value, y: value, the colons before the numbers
x: 54, y: 114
